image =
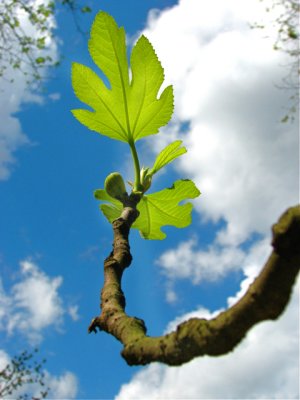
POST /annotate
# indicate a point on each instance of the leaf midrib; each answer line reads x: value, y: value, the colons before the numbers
x: 129, y: 134
x: 142, y: 102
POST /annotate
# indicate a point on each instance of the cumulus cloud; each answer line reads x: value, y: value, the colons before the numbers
x: 187, y: 262
x: 64, y: 386
x: 13, y: 95
x: 33, y: 303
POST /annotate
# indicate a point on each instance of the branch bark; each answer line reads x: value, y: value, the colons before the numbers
x: 265, y: 299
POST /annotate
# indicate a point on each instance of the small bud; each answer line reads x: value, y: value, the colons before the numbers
x: 115, y: 186
x: 146, y: 178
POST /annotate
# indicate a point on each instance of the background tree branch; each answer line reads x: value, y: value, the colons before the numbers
x: 26, y: 31
x: 23, y: 372
x: 265, y: 299
x: 285, y: 18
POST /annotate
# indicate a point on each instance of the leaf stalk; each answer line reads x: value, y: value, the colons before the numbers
x: 137, y: 187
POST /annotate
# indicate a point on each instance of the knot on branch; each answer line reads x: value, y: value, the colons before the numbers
x: 286, y: 233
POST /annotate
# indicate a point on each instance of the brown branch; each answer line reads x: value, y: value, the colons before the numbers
x: 265, y: 299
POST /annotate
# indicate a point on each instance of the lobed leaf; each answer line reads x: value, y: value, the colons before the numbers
x: 128, y: 110
x: 157, y: 209
x: 90, y: 89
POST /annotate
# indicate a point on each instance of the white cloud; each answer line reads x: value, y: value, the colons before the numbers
x: 4, y: 359
x: 37, y: 297
x: 32, y: 304
x: 29, y: 307
x: 13, y: 95
x: 252, y: 264
x: 171, y: 295
x: 73, y: 312
x: 188, y: 262
x: 11, y: 137
x: 64, y: 386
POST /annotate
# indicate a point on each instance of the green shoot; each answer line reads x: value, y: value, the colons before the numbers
x: 128, y: 111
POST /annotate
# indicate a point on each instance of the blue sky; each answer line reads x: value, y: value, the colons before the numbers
x: 54, y: 239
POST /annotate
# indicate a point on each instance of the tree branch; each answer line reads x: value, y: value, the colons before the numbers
x: 265, y: 299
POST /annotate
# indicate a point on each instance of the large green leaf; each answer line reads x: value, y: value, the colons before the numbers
x: 129, y: 110
x: 156, y: 209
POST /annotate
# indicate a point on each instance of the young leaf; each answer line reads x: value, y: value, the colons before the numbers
x: 129, y: 110
x: 113, y: 210
x: 167, y: 155
x: 156, y: 209
x: 162, y: 208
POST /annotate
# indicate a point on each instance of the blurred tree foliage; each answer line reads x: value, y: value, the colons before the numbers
x: 26, y: 30
x: 23, y: 376
x: 286, y: 22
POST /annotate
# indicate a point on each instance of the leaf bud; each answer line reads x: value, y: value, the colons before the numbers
x: 115, y: 186
x: 146, y: 178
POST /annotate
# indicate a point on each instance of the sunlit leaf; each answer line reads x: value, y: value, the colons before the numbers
x: 167, y: 155
x: 129, y: 109
x: 157, y: 209
x: 40, y: 60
